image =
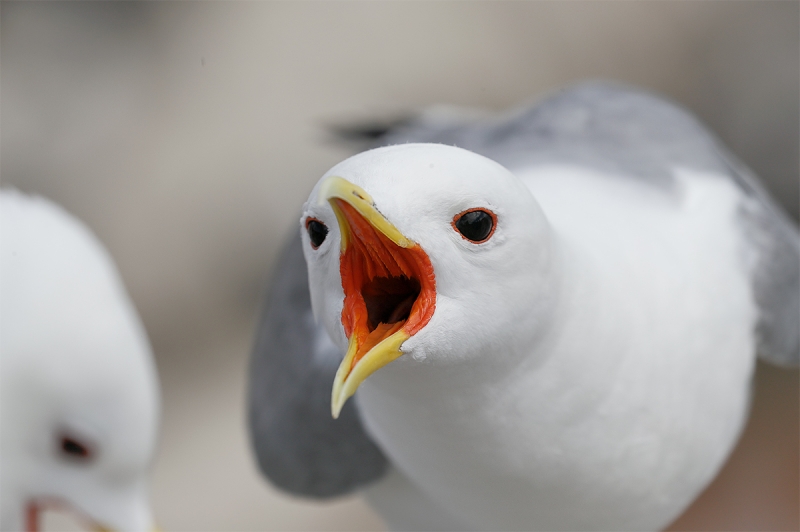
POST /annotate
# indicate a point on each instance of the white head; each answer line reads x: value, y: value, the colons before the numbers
x: 78, y: 388
x: 402, y: 211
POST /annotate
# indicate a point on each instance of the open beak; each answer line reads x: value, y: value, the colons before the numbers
x: 389, y: 287
x: 35, y: 508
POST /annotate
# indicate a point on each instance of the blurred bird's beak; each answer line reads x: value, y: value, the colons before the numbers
x: 100, y: 528
x: 96, y: 527
x: 34, y: 510
x: 389, y: 287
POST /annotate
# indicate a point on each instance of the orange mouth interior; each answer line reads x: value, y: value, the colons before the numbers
x: 386, y: 287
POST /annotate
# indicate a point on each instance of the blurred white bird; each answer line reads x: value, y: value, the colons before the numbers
x: 566, y: 342
x: 79, y: 400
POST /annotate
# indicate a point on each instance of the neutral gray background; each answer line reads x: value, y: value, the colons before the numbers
x: 187, y: 135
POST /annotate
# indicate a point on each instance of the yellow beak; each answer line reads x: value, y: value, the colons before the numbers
x: 339, y: 188
x: 375, y: 258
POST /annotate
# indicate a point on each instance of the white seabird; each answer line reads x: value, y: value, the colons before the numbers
x: 566, y: 342
x: 78, y: 388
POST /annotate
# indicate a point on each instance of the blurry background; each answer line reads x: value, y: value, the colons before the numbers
x: 187, y: 135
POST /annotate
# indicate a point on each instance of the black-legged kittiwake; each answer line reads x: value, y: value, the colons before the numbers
x: 79, y: 398
x: 552, y: 319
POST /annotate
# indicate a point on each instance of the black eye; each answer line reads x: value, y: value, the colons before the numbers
x: 476, y: 225
x: 316, y: 232
x: 74, y: 449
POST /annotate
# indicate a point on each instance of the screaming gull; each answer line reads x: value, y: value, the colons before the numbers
x: 551, y: 319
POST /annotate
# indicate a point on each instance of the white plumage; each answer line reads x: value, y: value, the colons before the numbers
x: 565, y: 341
x: 79, y: 394
x: 588, y: 366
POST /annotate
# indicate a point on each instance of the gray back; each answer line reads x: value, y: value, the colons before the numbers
x: 633, y: 134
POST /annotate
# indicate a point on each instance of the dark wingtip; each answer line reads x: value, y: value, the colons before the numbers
x: 365, y: 132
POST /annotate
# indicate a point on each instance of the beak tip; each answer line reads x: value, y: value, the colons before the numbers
x: 336, y: 409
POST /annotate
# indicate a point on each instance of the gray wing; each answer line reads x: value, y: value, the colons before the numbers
x: 297, y: 443
x: 632, y: 133
x: 776, y: 276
